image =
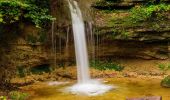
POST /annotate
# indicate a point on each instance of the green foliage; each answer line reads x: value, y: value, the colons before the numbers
x: 15, y: 95
x: 3, y: 98
x: 166, y: 82
x: 145, y: 13
x: 12, y: 11
x: 167, y: 79
x: 37, y: 15
x: 152, y: 17
x: 164, y: 67
x: 106, y: 65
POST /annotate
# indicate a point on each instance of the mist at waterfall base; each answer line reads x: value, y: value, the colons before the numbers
x: 85, y: 84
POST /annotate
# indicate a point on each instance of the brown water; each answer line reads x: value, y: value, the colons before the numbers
x: 127, y: 87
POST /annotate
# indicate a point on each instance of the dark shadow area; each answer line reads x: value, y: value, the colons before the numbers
x: 45, y: 68
x: 8, y: 36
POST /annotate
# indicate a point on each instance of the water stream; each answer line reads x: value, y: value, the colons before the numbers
x: 85, y: 84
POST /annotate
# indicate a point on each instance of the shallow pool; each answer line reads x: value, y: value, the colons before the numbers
x: 126, y: 88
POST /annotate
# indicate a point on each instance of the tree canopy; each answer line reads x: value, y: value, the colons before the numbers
x: 35, y: 11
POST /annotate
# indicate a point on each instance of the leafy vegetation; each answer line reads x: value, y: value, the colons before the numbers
x: 14, y: 14
x: 146, y: 16
x: 106, y: 65
x: 15, y: 95
x: 146, y: 13
x: 164, y: 67
x: 37, y: 12
x: 166, y: 82
x: 141, y: 14
x: 3, y: 98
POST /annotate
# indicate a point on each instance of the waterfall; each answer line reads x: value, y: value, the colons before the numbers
x: 53, y: 40
x: 80, y: 43
x: 85, y: 84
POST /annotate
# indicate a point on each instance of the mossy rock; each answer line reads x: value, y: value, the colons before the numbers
x: 166, y: 82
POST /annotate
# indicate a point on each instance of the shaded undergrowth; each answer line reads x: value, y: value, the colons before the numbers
x: 106, y: 65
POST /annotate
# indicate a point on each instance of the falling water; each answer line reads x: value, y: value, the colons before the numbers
x: 85, y: 85
x: 92, y: 41
x: 80, y: 43
x: 67, y: 43
x: 53, y: 40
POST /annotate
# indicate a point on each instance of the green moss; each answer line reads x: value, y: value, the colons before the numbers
x: 141, y: 14
x: 15, y: 95
x: 153, y: 17
x: 106, y: 65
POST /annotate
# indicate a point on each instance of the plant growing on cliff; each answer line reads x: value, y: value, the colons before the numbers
x: 145, y: 13
x: 164, y: 68
x: 152, y: 16
x: 166, y: 82
x: 12, y: 11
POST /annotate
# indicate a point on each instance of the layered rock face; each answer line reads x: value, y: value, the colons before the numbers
x: 24, y: 48
x: 146, y: 40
